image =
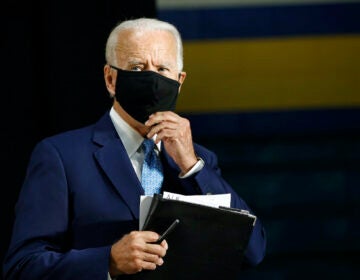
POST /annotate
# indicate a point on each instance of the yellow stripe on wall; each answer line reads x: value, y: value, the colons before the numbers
x: 271, y: 74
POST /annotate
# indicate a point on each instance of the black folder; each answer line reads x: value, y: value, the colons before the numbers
x: 208, y: 242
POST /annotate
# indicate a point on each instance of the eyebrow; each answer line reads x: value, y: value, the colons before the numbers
x: 137, y: 62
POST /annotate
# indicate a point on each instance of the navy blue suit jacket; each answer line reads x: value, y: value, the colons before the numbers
x: 81, y: 194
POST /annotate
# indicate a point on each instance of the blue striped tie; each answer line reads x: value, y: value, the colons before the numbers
x: 152, y: 174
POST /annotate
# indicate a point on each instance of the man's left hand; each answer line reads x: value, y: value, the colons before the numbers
x: 175, y: 132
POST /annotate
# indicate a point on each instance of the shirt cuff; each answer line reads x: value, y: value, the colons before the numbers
x: 196, y: 168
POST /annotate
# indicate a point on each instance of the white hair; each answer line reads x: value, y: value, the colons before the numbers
x: 142, y: 24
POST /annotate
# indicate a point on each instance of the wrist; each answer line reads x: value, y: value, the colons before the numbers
x: 186, y: 167
x: 196, y: 168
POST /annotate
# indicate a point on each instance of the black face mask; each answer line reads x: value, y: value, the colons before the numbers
x: 144, y: 93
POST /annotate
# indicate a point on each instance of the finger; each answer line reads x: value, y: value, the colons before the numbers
x: 162, y: 116
x: 167, y: 135
x: 161, y: 126
x: 149, y: 236
x: 155, y: 249
x: 147, y: 257
x: 149, y: 265
x: 164, y: 244
x: 172, y: 132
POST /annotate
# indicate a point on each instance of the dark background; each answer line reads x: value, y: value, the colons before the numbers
x: 52, y: 57
x: 304, y: 184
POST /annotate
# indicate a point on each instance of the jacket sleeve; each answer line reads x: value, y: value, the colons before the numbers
x: 40, y: 245
x: 210, y: 181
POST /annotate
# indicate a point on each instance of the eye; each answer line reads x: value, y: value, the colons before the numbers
x: 163, y: 69
x: 136, y: 68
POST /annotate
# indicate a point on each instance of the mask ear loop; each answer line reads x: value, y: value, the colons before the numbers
x: 113, y: 67
x: 112, y: 96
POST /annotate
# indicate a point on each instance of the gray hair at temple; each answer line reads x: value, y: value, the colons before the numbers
x: 143, y: 24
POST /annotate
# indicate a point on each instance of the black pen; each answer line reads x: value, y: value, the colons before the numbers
x: 167, y: 231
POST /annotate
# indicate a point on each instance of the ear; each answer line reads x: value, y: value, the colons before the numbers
x: 110, y: 79
x: 182, y: 76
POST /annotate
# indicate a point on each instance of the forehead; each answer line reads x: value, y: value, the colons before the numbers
x: 155, y: 43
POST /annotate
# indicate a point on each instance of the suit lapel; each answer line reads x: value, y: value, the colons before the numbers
x: 114, y: 161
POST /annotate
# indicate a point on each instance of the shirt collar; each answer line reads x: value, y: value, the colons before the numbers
x: 129, y: 136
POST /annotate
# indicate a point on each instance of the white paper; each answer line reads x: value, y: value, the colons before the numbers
x: 212, y: 200
x: 145, y: 202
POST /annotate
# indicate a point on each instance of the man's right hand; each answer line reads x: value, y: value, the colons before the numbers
x: 134, y: 252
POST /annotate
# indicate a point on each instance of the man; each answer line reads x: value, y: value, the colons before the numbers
x: 78, y: 210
